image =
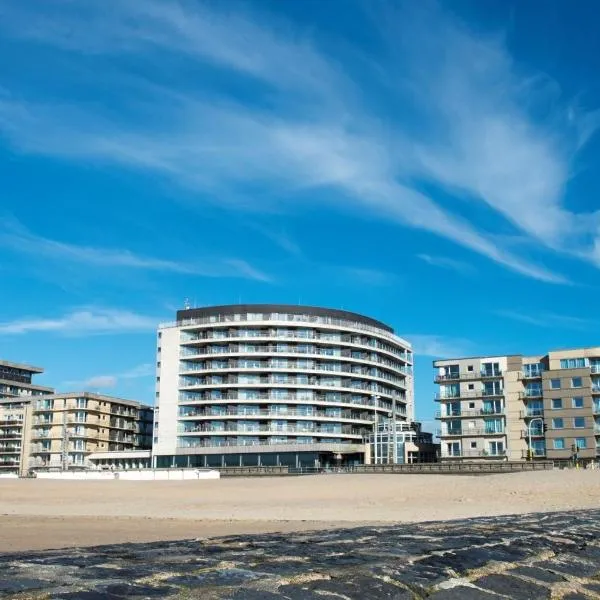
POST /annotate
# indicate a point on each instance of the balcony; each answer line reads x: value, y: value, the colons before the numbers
x: 531, y: 375
x: 481, y: 412
x: 533, y: 393
x: 277, y: 414
x: 531, y: 413
x: 469, y: 432
x: 535, y: 432
x: 269, y: 430
x: 595, y: 389
x: 535, y: 453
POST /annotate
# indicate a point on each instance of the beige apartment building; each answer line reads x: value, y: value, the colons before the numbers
x: 67, y: 428
x: 16, y: 392
x: 517, y: 407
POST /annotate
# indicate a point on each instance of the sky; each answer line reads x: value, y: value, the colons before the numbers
x: 432, y: 165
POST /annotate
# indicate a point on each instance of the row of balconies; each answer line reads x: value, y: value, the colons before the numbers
x: 302, y: 349
x: 187, y: 381
x: 324, y: 339
x: 277, y: 413
x: 481, y: 412
x: 468, y: 432
x: 206, y: 399
x: 270, y: 429
x: 209, y: 443
x: 324, y: 368
x: 468, y: 394
x: 467, y: 375
x: 11, y: 435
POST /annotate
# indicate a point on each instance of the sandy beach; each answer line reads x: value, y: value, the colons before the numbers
x: 44, y: 514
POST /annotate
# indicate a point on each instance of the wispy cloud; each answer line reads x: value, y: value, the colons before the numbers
x: 438, y: 346
x: 548, y: 319
x: 99, y: 382
x: 310, y: 129
x: 83, y: 322
x: 19, y: 239
x: 366, y: 276
x: 447, y: 263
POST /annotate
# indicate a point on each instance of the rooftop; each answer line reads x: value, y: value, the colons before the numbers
x: 294, y: 309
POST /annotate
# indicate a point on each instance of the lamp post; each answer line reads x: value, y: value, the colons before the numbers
x: 530, y: 451
x: 394, y: 432
x: 375, y: 401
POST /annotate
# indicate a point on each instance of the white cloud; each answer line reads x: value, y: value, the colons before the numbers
x: 548, y: 319
x: 438, y: 346
x: 312, y: 131
x: 97, y: 382
x: 83, y: 322
x: 17, y: 238
x: 447, y: 263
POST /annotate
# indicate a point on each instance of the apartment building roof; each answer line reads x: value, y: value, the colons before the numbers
x: 22, y: 366
x: 94, y: 396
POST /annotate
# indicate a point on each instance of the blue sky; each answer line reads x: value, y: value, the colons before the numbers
x: 433, y: 165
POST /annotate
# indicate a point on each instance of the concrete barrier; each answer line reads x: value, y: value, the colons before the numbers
x: 132, y: 475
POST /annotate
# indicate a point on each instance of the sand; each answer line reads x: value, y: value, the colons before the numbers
x: 44, y: 514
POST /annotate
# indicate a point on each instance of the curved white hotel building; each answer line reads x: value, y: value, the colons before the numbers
x: 272, y: 384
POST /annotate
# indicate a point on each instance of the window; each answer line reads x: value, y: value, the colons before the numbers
x: 471, y: 404
x: 579, y: 422
x: 557, y: 403
x: 496, y: 448
x: 555, y: 384
x: 471, y: 386
x: 577, y: 402
x: 572, y: 363
x: 473, y: 444
x: 557, y: 423
x: 576, y: 382
x: 559, y: 443
x: 470, y: 368
x: 580, y: 443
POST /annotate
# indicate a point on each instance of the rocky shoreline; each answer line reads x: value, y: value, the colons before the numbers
x: 551, y: 555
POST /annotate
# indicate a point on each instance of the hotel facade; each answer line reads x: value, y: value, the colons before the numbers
x: 269, y: 384
x: 516, y: 407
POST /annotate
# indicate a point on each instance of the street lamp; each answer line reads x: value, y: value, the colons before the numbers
x: 530, y: 450
x: 375, y: 401
x: 394, y: 431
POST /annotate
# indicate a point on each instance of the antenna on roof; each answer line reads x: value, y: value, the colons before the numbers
x: 186, y: 304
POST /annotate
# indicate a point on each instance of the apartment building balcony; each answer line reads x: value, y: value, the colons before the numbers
x: 9, y: 464
x: 531, y: 413
x: 484, y: 454
x: 10, y: 435
x: 535, y: 433
x: 470, y: 413
x: 469, y: 432
x: 467, y: 376
x: 595, y: 389
x: 524, y: 375
x: 535, y: 393
x: 186, y: 398
x: 535, y: 453
x: 269, y: 430
x: 276, y: 414
x: 10, y: 449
